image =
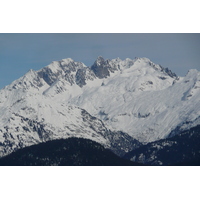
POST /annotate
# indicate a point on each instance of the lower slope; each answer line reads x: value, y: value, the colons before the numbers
x: 181, y: 149
x: 65, y: 152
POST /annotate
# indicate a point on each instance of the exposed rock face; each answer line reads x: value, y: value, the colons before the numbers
x: 101, y: 68
x: 82, y: 75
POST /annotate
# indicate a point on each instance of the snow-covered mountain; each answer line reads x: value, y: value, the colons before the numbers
x: 112, y: 102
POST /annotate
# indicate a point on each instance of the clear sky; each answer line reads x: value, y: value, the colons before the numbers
x: 23, y: 51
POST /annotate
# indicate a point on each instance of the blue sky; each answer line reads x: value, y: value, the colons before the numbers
x: 21, y: 52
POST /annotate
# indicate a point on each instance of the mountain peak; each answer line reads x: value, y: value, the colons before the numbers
x: 157, y: 67
x: 100, y: 60
x: 100, y: 67
x: 67, y: 60
x: 192, y: 72
x: 144, y: 59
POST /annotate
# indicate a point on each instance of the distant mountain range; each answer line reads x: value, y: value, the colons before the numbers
x: 125, y: 105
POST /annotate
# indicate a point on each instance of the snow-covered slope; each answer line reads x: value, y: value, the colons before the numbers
x: 35, y: 118
x: 145, y: 107
x: 67, y: 98
x: 136, y: 96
